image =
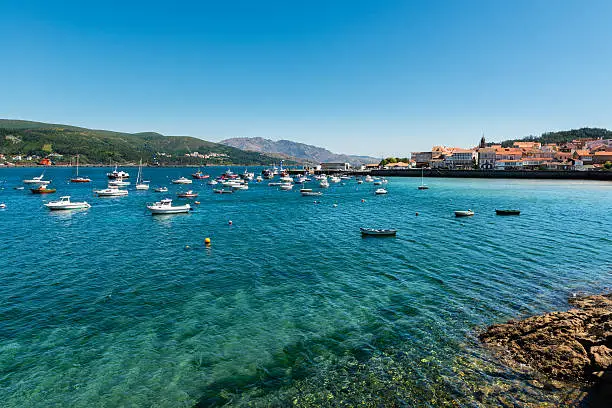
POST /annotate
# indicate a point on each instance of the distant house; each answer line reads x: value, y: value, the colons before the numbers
x: 486, y: 158
x: 335, y: 166
x: 422, y: 159
x: 371, y: 166
x: 398, y: 165
x: 602, y: 157
x: 460, y: 158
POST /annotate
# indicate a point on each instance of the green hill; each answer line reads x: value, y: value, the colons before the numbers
x: 564, y: 136
x: 103, y: 146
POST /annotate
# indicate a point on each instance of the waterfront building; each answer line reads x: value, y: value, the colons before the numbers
x: 422, y: 159
x: 458, y: 158
x: 335, y: 166
x: 398, y: 166
x: 602, y: 157
x: 486, y: 158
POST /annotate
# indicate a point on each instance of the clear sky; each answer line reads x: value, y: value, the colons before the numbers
x: 380, y: 77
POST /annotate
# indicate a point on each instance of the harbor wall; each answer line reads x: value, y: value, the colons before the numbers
x: 510, y: 174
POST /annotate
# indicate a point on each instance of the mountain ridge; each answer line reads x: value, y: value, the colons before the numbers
x: 300, y: 151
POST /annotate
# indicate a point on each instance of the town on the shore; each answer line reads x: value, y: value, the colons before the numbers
x: 579, y: 154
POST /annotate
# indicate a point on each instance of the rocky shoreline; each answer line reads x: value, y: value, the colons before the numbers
x: 574, y: 346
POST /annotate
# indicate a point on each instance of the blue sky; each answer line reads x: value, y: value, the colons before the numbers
x: 365, y: 77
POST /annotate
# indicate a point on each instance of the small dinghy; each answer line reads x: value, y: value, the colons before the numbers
x: 43, y: 189
x: 161, y: 189
x: 507, y: 212
x: 378, y: 232
x: 380, y: 191
x: 462, y: 213
x: 222, y: 191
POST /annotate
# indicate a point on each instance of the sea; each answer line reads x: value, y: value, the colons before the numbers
x: 289, y: 305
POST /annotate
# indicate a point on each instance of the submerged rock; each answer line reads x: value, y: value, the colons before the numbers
x: 575, y: 345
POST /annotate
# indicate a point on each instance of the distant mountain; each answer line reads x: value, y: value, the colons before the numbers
x: 300, y: 151
x: 19, y: 137
x: 564, y: 136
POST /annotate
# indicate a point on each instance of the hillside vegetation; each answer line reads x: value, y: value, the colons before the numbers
x: 564, y: 136
x: 103, y: 146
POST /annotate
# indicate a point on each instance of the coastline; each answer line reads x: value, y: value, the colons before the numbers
x: 599, y: 175
x: 574, y: 346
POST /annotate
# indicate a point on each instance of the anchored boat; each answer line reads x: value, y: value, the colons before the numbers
x: 64, y: 203
x: 378, y: 232
x: 508, y: 212
x: 43, y: 189
x: 165, y: 207
x: 462, y: 213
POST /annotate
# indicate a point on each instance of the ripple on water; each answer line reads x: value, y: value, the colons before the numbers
x: 289, y: 304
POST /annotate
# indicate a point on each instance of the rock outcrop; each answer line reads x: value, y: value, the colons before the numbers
x: 575, y: 345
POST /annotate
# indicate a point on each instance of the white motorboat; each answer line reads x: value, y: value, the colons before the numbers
x: 2, y: 205
x: 117, y: 174
x: 37, y: 180
x: 324, y: 183
x: 310, y: 193
x: 259, y: 179
x: 377, y: 183
x: 463, y: 213
x: 118, y: 182
x: 161, y: 189
x: 380, y: 191
x: 368, y: 179
x: 182, y: 180
x: 111, y: 192
x: 345, y: 177
x: 240, y: 187
x: 165, y: 207
x: 274, y: 184
x: 286, y: 186
x: 335, y: 179
x: 360, y: 181
x: 212, y: 183
x: 286, y: 179
x: 64, y: 203
x: 140, y: 183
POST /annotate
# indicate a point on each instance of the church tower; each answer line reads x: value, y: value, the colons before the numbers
x: 483, y: 143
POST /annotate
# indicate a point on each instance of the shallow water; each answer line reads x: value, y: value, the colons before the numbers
x: 289, y: 305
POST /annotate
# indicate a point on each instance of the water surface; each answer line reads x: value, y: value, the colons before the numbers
x: 289, y: 305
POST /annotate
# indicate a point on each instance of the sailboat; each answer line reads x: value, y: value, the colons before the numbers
x: 140, y: 184
x: 423, y: 186
x: 78, y: 179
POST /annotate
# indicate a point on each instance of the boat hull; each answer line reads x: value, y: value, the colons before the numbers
x: 42, y: 191
x: 507, y: 212
x: 158, y: 211
x: 464, y: 213
x: 71, y: 206
x: 378, y: 232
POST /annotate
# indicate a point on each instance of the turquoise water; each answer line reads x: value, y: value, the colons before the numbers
x: 289, y: 305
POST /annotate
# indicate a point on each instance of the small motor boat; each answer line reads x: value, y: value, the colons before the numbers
x: 378, y: 232
x: 462, y: 213
x: 187, y: 194
x: 507, y: 212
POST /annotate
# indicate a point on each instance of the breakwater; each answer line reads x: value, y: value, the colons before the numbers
x: 488, y: 174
